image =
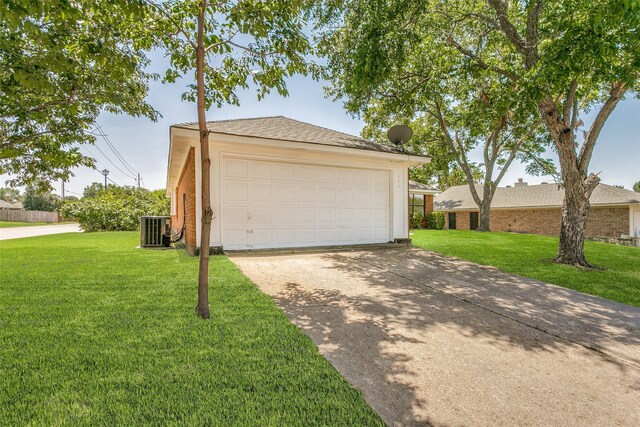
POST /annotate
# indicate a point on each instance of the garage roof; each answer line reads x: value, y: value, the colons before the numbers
x: 286, y: 129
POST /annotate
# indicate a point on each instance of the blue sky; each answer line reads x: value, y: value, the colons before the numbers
x: 144, y: 144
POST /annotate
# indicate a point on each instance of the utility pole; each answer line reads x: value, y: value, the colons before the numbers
x: 63, y: 189
x: 138, y: 180
x: 105, y: 173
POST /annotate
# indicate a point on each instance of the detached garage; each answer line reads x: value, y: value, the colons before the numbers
x: 281, y: 183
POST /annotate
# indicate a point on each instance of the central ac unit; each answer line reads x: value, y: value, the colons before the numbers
x: 155, y: 231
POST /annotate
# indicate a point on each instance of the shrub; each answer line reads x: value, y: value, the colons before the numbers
x: 415, y: 220
x: 116, y: 210
x: 435, y: 221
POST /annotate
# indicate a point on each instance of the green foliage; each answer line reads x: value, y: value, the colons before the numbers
x: 245, y: 42
x: 94, y: 189
x: 415, y: 220
x: 435, y: 221
x: 96, y: 332
x: 62, y: 64
x: 37, y: 200
x: 117, y: 209
x: 11, y: 195
x: 531, y: 255
x: 636, y: 186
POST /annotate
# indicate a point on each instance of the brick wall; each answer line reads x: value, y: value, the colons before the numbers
x: 428, y: 204
x: 603, y: 222
x: 186, y: 185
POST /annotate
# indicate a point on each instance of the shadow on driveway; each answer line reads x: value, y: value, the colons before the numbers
x: 435, y: 340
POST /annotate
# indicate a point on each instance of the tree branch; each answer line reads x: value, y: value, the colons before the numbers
x: 175, y: 23
x: 533, y: 20
x: 568, y: 103
x: 507, y: 27
x: 481, y: 63
x: 618, y: 90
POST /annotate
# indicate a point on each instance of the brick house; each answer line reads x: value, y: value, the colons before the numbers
x: 421, y: 198
x: 537, y: 209
x: 281, y: 183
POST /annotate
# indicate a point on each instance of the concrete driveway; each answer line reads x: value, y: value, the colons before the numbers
x: 435, y: 340
x: 37, y: 230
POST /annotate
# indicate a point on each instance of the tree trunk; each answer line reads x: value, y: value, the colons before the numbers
x: 485, y: 215
x: 577, y: 188
x: 575, y: 213
x: 202, y: 309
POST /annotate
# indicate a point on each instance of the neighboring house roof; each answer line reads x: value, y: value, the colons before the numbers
x: 286, y: 129
x: 525, y: 196
x: 419, y: 188
x: 7, y: 205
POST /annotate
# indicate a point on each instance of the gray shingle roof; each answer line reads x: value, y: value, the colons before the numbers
x: 8, y: 205
x: 418, y: 186
x: 543, y: 195
x: 286, y: 129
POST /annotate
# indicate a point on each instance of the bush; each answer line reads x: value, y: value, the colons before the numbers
x: 116, y: 210
x: 415, y: 220
x: 435, y: 221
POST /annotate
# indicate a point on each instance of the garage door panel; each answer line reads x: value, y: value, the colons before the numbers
x: 235, y: 238
x: 261, y: 238
x: 261, y: 192
x: 284, y: 192
x: 236, y: 191
x: 326, y: 174
x: 306, y: 194
x: 345, y: 196
x: 306, y: 173
x: 363, y: 217
x: 305, y: 216
x: 237, y: 215
x: 236, y: 168
x: 261, y: 170
x: 261, y: 215
x: 305, y: 236
x: 283, y: 217
x: 284, y: 237
x: 285, y: 172
x: 327, y: 217
x: 346, y: 217
x: 362, y: 178
x: 326, y: 195
x: 363, y: 235
x: 326, y: 235
x: 276, y: 204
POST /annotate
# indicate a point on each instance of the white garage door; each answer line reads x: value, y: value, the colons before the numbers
x: 268, y: 204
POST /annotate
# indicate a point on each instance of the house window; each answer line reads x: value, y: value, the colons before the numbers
x: 416, y: 204
x: 473, y: 220
x: 452, y: 220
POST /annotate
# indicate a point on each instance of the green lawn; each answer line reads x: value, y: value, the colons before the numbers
x: 9, y: 224
x: 532, y: 256
x: 95, y: 332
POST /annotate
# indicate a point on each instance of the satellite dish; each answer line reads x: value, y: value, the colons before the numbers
x: 399, y: 134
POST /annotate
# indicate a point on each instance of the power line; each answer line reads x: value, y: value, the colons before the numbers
x: 99, y: 162
x: 115, y: 151
x: 111, y: 161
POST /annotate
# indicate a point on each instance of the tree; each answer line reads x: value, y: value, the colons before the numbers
x: 636, y: 186
x: 94, y: 189
x: 228, y: 45
x: 117, y: 209
x: 37, y: 200
x: 389, y: 68
x: 11, y: 195
x: 564, y: 57
x: 62, y: 64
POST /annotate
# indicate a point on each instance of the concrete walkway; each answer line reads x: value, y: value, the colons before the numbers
x: 433, y: 340
x: 37, y: 230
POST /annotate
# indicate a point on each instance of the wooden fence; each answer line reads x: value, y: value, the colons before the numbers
x: 27, y: 216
